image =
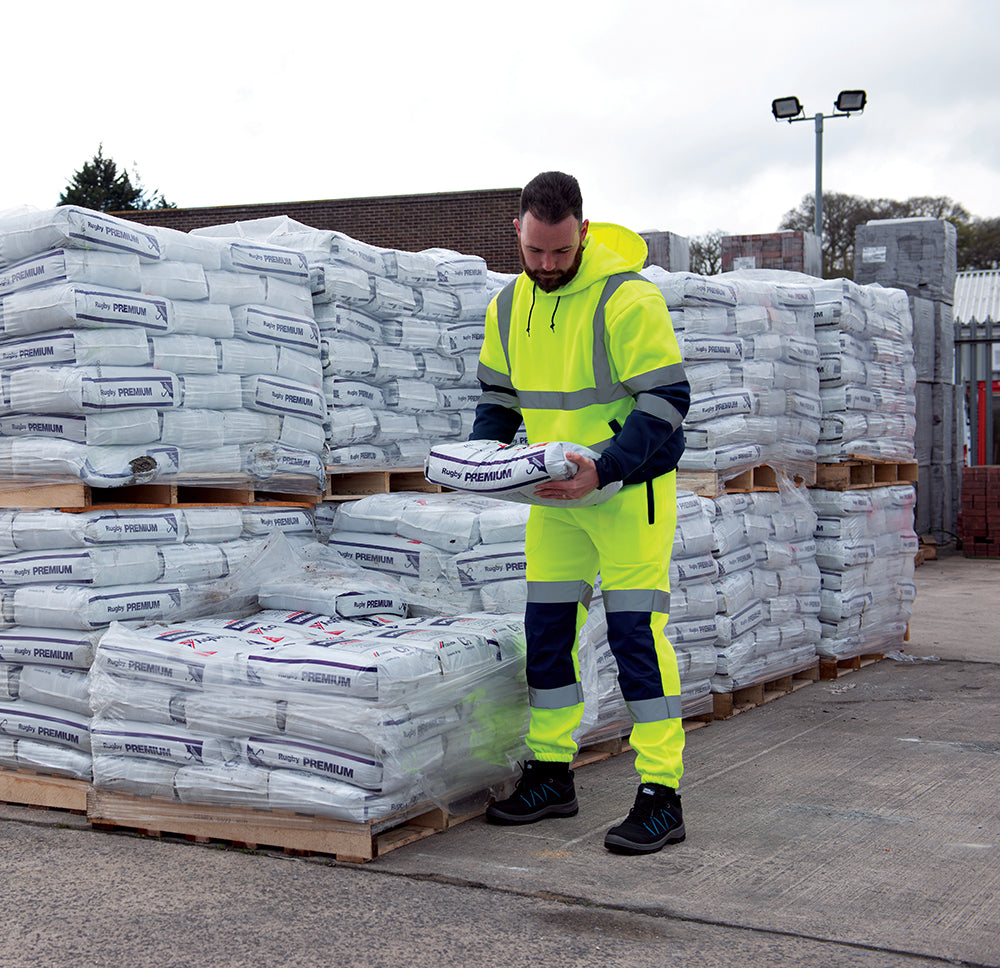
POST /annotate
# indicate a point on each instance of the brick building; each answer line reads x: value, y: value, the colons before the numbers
x: 472, y: 222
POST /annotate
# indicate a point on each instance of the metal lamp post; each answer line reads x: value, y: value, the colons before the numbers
x: 790, y: 109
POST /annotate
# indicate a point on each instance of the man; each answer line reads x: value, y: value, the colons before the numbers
x: 582, y: 349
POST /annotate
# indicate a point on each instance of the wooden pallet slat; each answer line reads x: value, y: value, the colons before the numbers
x: 729, y: 704
x: 834, y: 668
x: 45, y: 790
x: 349, y: 485
x: 760, y: 478
x: 861, y: 472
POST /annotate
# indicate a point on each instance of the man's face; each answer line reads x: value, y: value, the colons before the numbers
x: 550, y: 254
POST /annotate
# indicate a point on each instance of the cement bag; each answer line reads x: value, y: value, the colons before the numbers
x: 62, y: 648
x: 269, y: 260
x: 57, y: 306
x: 347, y: 596
x: 458, y: 271
x: 359, y: 455
x: 388, y: 553
x: 437, y: 305
x: 169, y: 744
x: 184, y: 354
x: 177, y: 246
x: 393, y: 363
x: 70, y: 265
x: 321, y: 245
x: 248, y: 426
x: 320, y: 796
x: 193, y: 428
x: 20, y: 719
x: 412, y: 268
x: 191, y: 562
x: 334, y: 282
x: 39, y: 459
x: 458, y: 338
x: 505, y: 522
x: 509, y: 472
x: 289, y: 297
x: 77, y: 348
x: 376, y: 513
x: 10, y: 676
x: 274, y: 462
x: 459, y: 398
x: 213, y: 524
x: 410, y: 395
x: 142, y: 778
x: 234, y: 713
x: 73, y: 227
x: 66, y: 389
x: 348, y: 357
x: 447, y: 521
x: 298, y: 433
x: 485, y: 564
x: 80, y: 607
x: 260, y: 522
x: 235, y: 288
x: 174, y: 280
x: 301, y: 367
x: 201, y: 319
x: 100, y: 566
x: 246, y: 358
x: 350, y: 393
x: 390, y: 298
x: 266, y: 325
x: 503, y: 597
x: 335, y: 320
x: 224, y: 784
x: 124, y: 427
x: 283, y: 397
x: 49, y: 758
x: 351, y: 425
x: 441, y: 370
x: 59, y: 688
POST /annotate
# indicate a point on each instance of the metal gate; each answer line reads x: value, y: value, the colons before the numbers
x: 977, y: 371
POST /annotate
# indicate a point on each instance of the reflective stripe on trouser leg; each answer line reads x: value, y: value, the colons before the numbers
x: 562, y: 566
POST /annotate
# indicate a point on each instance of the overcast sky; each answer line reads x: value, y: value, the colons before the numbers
x: 662, y: 109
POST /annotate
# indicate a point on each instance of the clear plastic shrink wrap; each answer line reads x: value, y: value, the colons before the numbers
x: 866, y: 550
x: 297, y: 709
x: 767, y: 587
x: 131, y: 354
x: 64, y: 578
x: 401, y: 333
x: 751, y: 358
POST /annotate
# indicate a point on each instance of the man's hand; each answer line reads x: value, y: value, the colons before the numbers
x: 579, y: 485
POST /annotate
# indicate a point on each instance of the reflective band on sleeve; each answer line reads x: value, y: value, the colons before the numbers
x: 571, y: 400
x: 494, y: 377
x: 560, y: 592
x: 561, y: 698
x: 636, y: 600
x: 505, y: 308
x: 658, y: 407
x: 508, y: 400
x: 662, y: 376
x: 655, y: 710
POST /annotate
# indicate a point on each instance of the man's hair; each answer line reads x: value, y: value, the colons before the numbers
x: 551, y: 197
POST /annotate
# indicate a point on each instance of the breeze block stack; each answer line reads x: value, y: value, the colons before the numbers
x: 979, y: 519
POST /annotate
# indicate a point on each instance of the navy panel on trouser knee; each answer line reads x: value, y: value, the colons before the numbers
x: 551, y: 628
x: 631, y: 641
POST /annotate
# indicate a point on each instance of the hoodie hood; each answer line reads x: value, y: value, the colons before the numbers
x: 607, y: 249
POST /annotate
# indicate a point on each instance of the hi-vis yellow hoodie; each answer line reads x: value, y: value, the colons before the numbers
x: 595, y: 362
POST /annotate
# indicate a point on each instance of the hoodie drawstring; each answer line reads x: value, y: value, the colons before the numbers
x: 555, y: 309
x: 531, y: 309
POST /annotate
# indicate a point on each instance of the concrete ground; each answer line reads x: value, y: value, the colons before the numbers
x: 853, y: 822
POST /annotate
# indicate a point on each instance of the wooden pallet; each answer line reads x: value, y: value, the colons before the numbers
x: 349, y: 485
x: 77, y: 496
x: 729, y: 704
x: 760, y: 478
x: 294, y: 833
x: 858, y: 472
x: 31, y: 789
x: 834, y: 668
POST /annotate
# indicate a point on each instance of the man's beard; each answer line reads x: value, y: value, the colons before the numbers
x: 550, y: 281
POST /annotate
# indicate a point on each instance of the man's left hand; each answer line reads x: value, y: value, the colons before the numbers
x: 579, y: 485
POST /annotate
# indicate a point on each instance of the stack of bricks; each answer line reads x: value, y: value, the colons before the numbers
x: 979, y: 519
x: 794, y: 251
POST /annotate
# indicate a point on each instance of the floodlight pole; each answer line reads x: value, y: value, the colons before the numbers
x: 818, y: 220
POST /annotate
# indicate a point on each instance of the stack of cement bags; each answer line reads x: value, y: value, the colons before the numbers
x: 866, y: 550
x: 64, y: 578
x: 401, y: 335
x: 353, y: 718
x: 130, y: 354
x: 751, y: 358
x: 867, y: 376
x: 452, y: 552
x: 768, y: 586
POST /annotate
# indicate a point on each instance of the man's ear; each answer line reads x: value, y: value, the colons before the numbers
x: 584, y: 225
x: 517, y: 227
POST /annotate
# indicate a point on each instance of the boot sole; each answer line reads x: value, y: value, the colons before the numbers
x: 556, y: 810
x: 619, y: 845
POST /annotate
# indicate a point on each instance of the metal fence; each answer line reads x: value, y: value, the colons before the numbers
x: 977, y: 365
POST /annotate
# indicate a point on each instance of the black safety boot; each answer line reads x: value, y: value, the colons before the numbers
x: 544, y: 790
x: 654, y: 821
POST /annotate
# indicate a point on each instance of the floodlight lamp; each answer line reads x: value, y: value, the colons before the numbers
x: 848, y: 101
x: 785, y: 108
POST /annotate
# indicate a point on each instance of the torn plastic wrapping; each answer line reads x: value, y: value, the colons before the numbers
x: 866, y: 548
x: 120, y: 366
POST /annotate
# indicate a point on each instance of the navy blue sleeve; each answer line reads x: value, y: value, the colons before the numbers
x: 646, y: 446
x: 493, y: 420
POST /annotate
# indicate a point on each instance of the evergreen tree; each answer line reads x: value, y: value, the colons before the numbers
x: 100, y: 185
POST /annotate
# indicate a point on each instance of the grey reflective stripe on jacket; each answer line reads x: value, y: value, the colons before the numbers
x: 636, y: 600
x: 655, y: 710
x: 559, y: 698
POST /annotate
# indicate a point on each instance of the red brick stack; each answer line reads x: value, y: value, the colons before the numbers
x: 979, y: 519
x: 793, y: 250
